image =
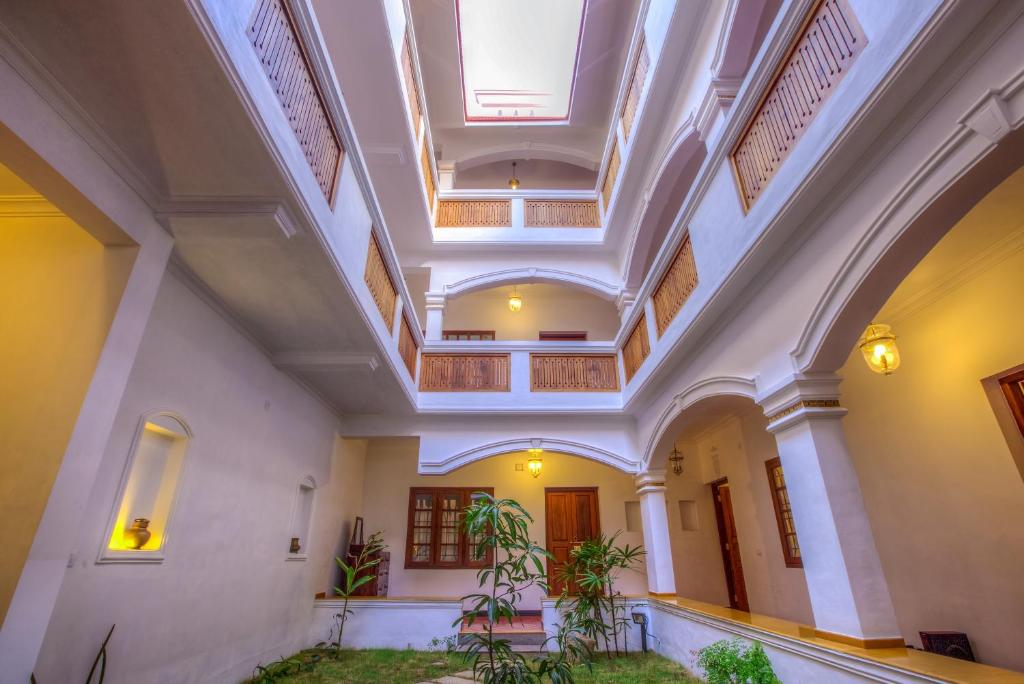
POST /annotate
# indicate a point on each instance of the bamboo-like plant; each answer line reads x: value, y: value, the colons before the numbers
x: 354, y: 575
x: 501, y: 530
x: 597, y: 608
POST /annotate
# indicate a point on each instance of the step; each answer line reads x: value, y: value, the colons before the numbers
x: 517, y: 638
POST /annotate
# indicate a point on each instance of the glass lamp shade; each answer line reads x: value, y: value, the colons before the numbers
x: 513, y: 183
x: 515, y: 302
x: 878, y: 345
x: 534, y: 465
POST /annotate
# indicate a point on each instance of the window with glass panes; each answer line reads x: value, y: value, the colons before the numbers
x: 784, y: 514
x: 435, y: 538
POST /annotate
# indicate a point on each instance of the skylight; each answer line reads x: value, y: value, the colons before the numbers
x: 519, y: 58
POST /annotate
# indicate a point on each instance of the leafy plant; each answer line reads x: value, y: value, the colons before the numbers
x: 501, y: 530
x: 598, y: 608
x: 353, y: 576
x: 734, y: 662
x: 447, y: 644
x: 285, y: 667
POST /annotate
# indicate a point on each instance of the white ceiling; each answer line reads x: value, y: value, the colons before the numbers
x: 608, y: 29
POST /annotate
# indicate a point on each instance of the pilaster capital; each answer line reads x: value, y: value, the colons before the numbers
x: 625, y: 299
x: 650, y: 481
x: 435, y: 300
x: 799, y: 397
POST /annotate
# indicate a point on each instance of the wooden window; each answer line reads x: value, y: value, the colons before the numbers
x: 1013, y: 390
x: 471, y: 335
x: 563, y: 335
x: 783, y: 514
x: 435, y: 538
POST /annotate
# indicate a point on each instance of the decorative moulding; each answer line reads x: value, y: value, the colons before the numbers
x: 513, y: 445
x: 27, y: 206
x: 520, y: 276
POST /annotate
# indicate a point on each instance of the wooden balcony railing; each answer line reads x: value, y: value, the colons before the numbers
x: 608, y: 186
x: 276, y: 41
x: 561, y: 213
x: 636, y: 89
x: 407, y: 347
x: 636, y: 349
x: 464, y: 373
x: 474, y: 213
x: 428, y: 174
x: 819, y: 58
x: 573, y: 373
x: 378, y: 279
x: 675, y: 287
x: 411, y: 86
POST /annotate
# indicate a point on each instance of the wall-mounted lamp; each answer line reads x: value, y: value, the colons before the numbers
x: 878, y: 345
x: 535, y: 462
x: 515, y: 302
x: 676, y: 459
x: 513, y: 182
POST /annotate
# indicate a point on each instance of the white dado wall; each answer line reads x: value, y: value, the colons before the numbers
x: 391, y: 471
x: 942, y: 491
x: 225, y: 597
x: 736, y: 448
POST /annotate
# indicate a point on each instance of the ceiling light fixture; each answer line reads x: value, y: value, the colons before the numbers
x: 515, y: 302
x: 879, y: 348
x: 513, y: 182
x: 676, y: 459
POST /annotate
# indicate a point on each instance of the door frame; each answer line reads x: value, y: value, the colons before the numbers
x: 723, y: 537
x: 547, y: 536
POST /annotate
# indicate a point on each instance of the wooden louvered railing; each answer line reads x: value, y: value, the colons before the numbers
x: 636, y: 89
x: 474, y: 213
x: 821, y: 55
x: 573, y: 373
x: 407, y: 347
x: 273, y: 35
x: 428, y: 174
x: 636, y: 348
x: 675, y: 287
x: 411, y: 86
x: 561, y: 213
x: 464, y: 373
x: 608, y: 186
x: 378, y: 279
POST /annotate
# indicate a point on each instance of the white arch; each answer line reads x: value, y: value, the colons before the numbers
x: 562, y: 446
x: 720, y: 386
x: 528, y: 150
x: 519, y: 276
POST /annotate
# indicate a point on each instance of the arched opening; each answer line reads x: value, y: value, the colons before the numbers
x: 546, y: 307
x: 732, y: 545
x: 937, y: 446
x: 675, y: 178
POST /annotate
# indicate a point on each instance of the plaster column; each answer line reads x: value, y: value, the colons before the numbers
x: 435, y: 316
x: 445, y: 175
x: 661, y: 577
x: 849, y: 595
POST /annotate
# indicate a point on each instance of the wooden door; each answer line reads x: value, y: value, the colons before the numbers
x: 571, y: 517
x: 730, y: 546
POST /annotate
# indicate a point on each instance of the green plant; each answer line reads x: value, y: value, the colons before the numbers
x: 285, y: 667
x: 734, y: 662
x: 353, y: 576
x: 447, y: 644
x: 501, y: 530
x: 598, y: 608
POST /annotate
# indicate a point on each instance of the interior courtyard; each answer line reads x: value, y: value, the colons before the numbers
x: 736, y: 284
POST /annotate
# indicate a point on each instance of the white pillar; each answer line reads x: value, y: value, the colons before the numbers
x: 661, y: 577
x: 435, y: 316
x: 849, y: 595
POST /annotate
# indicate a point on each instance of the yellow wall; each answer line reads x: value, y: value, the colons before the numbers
x: 59, y: 289
x: 391, y: 471
x: 944, y: 496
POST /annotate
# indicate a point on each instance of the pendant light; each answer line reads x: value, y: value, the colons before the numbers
x: 513, y: 182
x: 515, y: 302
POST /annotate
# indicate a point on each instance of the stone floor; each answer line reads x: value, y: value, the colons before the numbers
x: 457, y: 678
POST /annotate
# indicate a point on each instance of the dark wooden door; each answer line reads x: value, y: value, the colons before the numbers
x: 730, y: 546
x: 571, y: 517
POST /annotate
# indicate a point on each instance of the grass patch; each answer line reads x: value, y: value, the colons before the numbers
x: 373, y: 666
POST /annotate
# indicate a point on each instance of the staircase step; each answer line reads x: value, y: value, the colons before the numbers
x: 514, y: 638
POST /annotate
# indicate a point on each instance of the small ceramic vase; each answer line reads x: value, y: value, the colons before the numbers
x: 136, y: 536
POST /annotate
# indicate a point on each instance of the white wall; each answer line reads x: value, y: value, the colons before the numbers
x: 391, y: 471
x: 545, y: 307
x: 943, y: 494
x: 225, y: 596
